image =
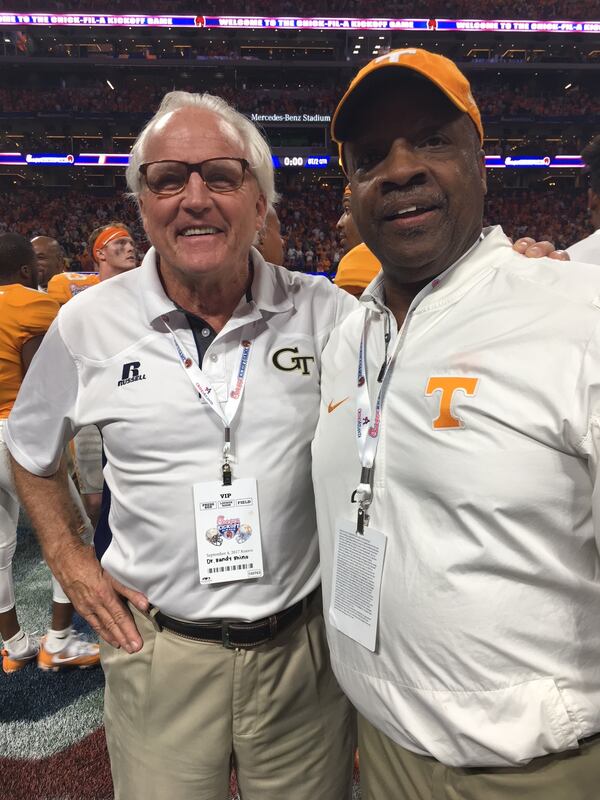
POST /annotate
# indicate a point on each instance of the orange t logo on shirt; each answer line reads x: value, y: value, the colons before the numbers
x: 447, y: 387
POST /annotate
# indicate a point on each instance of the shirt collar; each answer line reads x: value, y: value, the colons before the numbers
x: 268, y: 290
x: 454, y: 281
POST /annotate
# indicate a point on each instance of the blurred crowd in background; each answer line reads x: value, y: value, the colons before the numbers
x: 308, y: 211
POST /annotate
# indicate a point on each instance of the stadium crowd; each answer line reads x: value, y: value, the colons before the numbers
x: 531, y: 102
x: 308, y: 212
x: 532, y: 9
x: 143, y: 96
x: 69, y: 217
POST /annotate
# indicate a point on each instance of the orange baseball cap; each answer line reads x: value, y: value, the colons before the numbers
x: 357, y: 269
x: 438, y: 69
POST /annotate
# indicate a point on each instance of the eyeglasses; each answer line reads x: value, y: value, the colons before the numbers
x: 171, y: 177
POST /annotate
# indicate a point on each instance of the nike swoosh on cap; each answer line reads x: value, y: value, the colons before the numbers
x: 332, y: 406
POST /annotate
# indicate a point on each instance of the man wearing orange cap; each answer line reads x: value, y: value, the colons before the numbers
x: 455, y: 469
x: 359, y: 266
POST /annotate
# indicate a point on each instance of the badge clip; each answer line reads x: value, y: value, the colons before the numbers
x: 226, y: 474
x: 362, y: 519
x: 226, y: 469
x: 363, y: 495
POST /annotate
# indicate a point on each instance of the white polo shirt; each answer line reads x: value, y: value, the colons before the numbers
x: 587, y: 249
x: 488, y: 647
x: 160, y: 438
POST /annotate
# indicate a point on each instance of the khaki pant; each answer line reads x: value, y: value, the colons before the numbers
x: 389, y: 771
x: 179, y: 712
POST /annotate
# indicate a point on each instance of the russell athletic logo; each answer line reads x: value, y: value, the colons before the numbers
x: 131, y: 373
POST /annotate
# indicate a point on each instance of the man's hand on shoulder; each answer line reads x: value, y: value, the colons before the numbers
x: 532, y: 249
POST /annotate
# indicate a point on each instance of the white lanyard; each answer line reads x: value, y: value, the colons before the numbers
x: 368, y: 429
x: 204, y: 388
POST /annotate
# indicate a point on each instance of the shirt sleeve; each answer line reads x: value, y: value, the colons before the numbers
x: 593, y: 461
x: 58, y: 289
x: 37, y: 316
x: 585, y: 409
x: 42, y: 420
x: 338, y: 304
x: 346, y: 303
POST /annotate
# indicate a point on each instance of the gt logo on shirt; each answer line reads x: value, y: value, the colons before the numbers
x: 288, y: 363
x: 447, y: 386
x: 131, y: 373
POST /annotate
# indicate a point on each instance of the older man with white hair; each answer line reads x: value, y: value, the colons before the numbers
x: 201, y: 369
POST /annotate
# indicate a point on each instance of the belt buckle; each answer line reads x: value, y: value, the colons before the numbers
x: 226, y: 635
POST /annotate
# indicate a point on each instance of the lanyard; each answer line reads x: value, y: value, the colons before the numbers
x: 203, y: 386
x: 368, y: 426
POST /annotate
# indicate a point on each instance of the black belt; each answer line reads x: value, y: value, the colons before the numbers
x: 233, y: 634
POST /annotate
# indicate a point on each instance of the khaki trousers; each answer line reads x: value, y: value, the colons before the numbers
x: 180, y: 712
x: 389, y: 771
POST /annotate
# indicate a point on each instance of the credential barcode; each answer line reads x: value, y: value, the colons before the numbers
x: 229, y: 568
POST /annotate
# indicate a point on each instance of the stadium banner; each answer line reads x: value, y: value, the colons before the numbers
x: 284, y: 159
x: 70, y: 19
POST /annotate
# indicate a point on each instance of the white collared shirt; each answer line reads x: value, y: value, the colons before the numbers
x: 109, y: 361
x: 488, y: 647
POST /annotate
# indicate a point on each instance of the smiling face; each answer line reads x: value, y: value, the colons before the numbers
x: 417, y: 177
x: 199, y: 233
x: 49, y: 258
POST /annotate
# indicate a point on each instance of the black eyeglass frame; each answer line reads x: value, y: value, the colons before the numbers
x: 194, y: 168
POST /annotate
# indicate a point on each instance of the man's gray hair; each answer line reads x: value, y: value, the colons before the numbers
x: 235, y: 124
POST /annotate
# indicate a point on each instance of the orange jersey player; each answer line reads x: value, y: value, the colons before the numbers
x: 65, y: 285
x: 113, y: 250
x: 25, y: 316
